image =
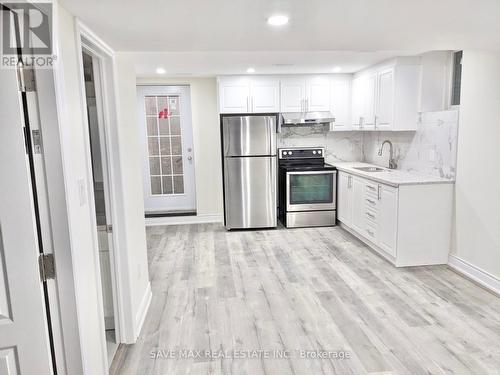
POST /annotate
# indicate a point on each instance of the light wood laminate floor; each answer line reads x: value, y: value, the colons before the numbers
x: 276, y: 292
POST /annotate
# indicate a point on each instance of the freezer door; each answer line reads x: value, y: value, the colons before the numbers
x: 250, y: 192
x: 249, y: 135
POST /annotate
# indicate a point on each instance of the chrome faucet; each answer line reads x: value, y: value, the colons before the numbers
x: 392, y: 162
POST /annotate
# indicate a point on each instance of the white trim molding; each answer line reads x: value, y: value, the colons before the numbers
x: 179, y: 220
x: 475, y: 273
x: 143, y: 310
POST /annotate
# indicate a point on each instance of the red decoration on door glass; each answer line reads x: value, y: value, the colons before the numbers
x: 165, y: 113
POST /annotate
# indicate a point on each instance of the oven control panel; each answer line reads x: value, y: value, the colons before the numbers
x: 301, y: 153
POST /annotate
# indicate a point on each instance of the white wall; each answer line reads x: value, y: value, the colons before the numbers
x: 477, y: 188
x: 131, y: 184
x: 206, y: 137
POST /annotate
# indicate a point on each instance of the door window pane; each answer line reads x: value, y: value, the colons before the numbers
x: 152, y: 123
x: 311, y: 188
x: 178, y: 185
x: 154, y: 166
x: 150, y: 102
x: 155, y: 185
x: 164, y: 128
x: 173, y: 105
x: 153, y: 147
x: 166, y: 165
x: 164, y: 138
x: 165, y: 145
x: 177, y: 164
x: 176, y: 146
x: 175, y: 125
x: 167, y: 185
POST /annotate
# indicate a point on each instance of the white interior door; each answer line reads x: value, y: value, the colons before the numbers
x: 167, y: 134
x: 24, y: 344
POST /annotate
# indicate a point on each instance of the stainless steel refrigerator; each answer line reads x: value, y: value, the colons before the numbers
x: 250, y: 183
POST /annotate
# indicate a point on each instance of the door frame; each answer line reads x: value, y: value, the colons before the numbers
x: 87, y: 41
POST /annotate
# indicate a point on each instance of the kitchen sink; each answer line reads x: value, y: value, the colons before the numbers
x: 371, y: 169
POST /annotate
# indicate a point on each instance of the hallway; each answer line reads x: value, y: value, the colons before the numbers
x: 309, y: 289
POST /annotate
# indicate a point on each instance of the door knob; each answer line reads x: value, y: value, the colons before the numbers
x: 190, y: 158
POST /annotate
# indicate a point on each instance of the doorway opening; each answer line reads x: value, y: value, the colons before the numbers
x: 167, y: 140
x: 100, y: 182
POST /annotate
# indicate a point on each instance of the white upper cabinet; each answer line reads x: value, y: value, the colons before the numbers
x: 245, y: 95
x: 386, y: 97
x: 264, y: 95
x: 357, y: 102
x: 293, y: 94
x: 234, y: 95
x: 368, y: 121
x: 318, y: 94
x: 270, y: 94
x: 304, y: 94
x: 340, y: 102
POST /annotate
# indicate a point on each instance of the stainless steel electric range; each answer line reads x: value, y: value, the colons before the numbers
x: 307, y: 188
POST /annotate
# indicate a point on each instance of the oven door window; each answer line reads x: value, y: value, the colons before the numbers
x: 311, y: 188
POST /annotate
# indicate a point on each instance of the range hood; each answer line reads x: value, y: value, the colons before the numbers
x: 307, y: 118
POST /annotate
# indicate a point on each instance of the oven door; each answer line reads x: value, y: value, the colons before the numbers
x: 311, y: 190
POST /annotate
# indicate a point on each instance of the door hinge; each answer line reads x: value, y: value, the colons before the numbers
x: 26, y: 76
x: 47, y: 266
x: 37, y: 141
x: 109, y: 228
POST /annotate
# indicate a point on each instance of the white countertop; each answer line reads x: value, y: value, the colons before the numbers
x: 391, y: 177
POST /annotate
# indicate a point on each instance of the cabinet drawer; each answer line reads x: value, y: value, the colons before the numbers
x: 371, y: 216
x: 371, y: 202
x: 370, y: 232
x: 371, y: 189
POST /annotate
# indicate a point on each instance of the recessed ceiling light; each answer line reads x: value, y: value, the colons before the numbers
x: 250, y: 70
x: 336, y: 69
x: 278, y: 20
x: 160, y: 70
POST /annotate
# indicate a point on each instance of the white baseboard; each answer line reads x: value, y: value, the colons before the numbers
x: 177, y: 220
x: 475, y: 273
x: 140, y: 317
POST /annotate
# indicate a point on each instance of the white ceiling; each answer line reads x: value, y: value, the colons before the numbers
x: 226, y: 30
x: 264, y: 62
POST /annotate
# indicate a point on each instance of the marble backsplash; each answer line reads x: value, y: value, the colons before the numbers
x: 431, y: 150
x: 339, y: 146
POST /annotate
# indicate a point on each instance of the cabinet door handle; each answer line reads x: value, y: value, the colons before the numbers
x: 370, y: 187
x: 378, y: 192
x: 370, y: 215
x: 370, y: 201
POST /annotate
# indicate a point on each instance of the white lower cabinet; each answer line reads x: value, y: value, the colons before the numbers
x: 388, y: 219
x: 357, y: 203
x: 344, y: 198
x: 409, y: 225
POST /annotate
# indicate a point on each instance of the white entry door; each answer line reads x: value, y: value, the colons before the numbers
x: 167, y: 140
x: 24, y: 343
